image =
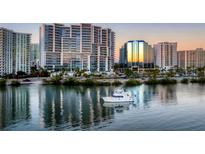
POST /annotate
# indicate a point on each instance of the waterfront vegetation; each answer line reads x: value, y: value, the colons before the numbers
x: 198, y: 80
x: 132, y: 82
x: 185, y: 81
x: 117, y: 83
x: 119, y: 76
x: 15, y: 83
x: 71, y: 82
x: 161, y: 81
x: 2, y: 82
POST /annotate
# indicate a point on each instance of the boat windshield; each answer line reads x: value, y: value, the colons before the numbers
x: 117, y: 96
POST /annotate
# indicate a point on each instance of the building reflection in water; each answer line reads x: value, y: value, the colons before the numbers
x: 167, y: 94
x: 144, y: 94
x: 14, y: 105
x: 73, y: 108
x: 76, y: 107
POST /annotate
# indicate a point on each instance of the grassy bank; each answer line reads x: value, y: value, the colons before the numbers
x: 132, y: 82
x: 75, y: 82
x: 15, y: 83
x: 161, y: 81
x: 198, y: 80
x: 185, y: 81
x: 2, y: 82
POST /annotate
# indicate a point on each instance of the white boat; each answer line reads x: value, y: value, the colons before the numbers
x: 119, y: 96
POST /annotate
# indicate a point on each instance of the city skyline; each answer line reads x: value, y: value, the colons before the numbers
x: 187, y: 35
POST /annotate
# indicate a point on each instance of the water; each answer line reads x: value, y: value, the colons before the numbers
x: 38, y: 107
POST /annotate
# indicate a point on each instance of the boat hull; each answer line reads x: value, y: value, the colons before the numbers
x: 117, y: 100
x: 123, y: 105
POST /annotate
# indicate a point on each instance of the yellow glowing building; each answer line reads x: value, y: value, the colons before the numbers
x: 137, y: 53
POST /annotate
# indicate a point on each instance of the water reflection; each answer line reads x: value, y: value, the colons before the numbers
x: 14, y: 105
x: 72, y: 108
x: 166, y: 93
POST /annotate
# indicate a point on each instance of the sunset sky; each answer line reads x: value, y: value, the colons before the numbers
x: 188, y: 36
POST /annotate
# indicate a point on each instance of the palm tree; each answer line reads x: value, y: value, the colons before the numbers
x: 128, y: 72
x: 200, y: 72
x: 170, y: 73
x: 116, y: 67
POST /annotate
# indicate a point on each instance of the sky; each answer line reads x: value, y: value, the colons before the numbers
x: 187, y: 35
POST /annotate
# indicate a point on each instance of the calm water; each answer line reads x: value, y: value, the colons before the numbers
x: 37, y: 107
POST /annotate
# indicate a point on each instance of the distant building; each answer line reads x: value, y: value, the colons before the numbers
x: 165, y: 54
x: 83, y: 46
x: 34, y: 55
x: 137, y: 53
x: 122, y: 56
x: 191, y: 58
x: 14, y: 52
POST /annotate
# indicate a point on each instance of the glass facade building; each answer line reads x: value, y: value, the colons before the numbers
x: 137, y: 53
x: 35, y: 55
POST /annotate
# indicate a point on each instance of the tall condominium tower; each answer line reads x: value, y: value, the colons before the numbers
x: 22, y: 50
x: 137, y: 53
x: 191, y: 58
x: 14, y: 52
x: 165, y: 54
x: 83, y: 46
x: 6, y: 51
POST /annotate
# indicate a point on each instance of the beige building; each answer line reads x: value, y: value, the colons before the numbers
x: 191, y: 58
x: 165, y: 54
x: 83, y: 46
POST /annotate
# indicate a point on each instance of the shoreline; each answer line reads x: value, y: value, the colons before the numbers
x: 103, y: 82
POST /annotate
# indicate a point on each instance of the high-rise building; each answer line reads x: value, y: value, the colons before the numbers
x: 49, y: 56
x: 14, y: 52
x: 191, y: 58
x: 137, y: 53
x: 83, y: 46
x: 35, y: 55
x: 165, y: 54
x: 122, y: 56
x: 6, y: 51
x: 22, y: 50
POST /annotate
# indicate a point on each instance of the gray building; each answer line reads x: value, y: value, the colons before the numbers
x: 14, y: 52
x: 122, y: 56
x: 35, y: 55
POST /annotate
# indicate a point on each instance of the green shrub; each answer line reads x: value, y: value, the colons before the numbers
x: 132, y: 82
x: 15, y: 83
x: 2, y: 82
x: 87, y: 82
x: 167, y: 81
x: 55, y: 80
x: 116, y: 83
x: 185, y: 80
x: 71, y: 82
x: 100, y: 83
x: 199, y: 80
x: 152, y: 81
x: 161, y: 81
